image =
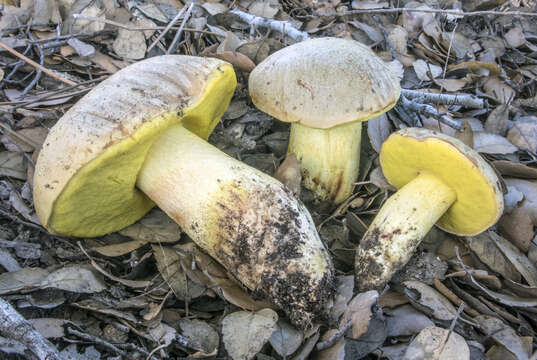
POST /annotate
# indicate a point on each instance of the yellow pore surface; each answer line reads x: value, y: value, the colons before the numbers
x: 479, y: 201
x: 101, y: 197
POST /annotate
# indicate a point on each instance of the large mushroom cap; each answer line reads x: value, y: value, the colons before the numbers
x: 85, y: 176
x: 323, y: 83
x: 479, y: 203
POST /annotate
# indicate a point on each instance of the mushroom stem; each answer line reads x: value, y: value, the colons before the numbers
x: 329, y: 158
x: 397, y: 230
x: 247, y: 220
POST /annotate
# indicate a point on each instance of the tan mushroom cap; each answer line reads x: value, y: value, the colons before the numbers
x: 85, y: 176
x: 479, y: 198
x: 324, y: 82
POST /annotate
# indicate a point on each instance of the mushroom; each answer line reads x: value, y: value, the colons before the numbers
x: 138, y: 139
x: 441, y: 181
x: 326, y: 88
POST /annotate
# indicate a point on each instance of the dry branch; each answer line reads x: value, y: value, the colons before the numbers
x: 284, y: 27
x: 466, y: 100
x: 430, y: 11
x: 428, y: 110
x: 15, y: 327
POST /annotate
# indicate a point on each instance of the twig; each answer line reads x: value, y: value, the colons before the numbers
x: 332, y: 340
x: 284, y: 27
x: 140, y: 28
x: 466, y: 100
x: 36, y: 65
x: 167, y: 28
x: 177, y: 36
x: 430, y: 11
x: 96, y: 340
x: 14, y: 326
x: 39, y: 72
x: 428, y: 110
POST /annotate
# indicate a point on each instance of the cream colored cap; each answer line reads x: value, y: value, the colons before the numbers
x: 85, y: 176
x: 323, y: 83
x: 479, y: 203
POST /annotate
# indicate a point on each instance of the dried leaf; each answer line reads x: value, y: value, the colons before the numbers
x: 406, y: 321
x: 378, y: 129
x: 50, y: 328
x: 488, y: 253
x: 244, y: 333
x: 502, y: 334
x: 467, y: 135
x: 435, y: 343
x: 23, y: 279
x: 517, y: 226
x: 201, y: 333
x: 524, y: 134
x: 239, y: 61
x: 359, y: 312
x: 12, y: 165
x: 130, y: 44
x: 169, y: 266
x: 497, y: 120
x: 18, y: 204
x: 286, y: 339
x: 155, y: 227
x: 93, y: 305
x: 289, y: 174
x: 526, y: 268
x: 509, y: 168
x: 492, y: 144
x: 428, y: 299
x: 425, y: 71
x: 515, y: 37
x: 344, y: 290
x: 74, y: 279
x: 499, y: 90
x: 119, y: 249
x: 529, y: 189
x: 451, y: 85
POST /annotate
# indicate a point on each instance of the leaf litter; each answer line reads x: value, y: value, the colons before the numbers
x: 134, y: 280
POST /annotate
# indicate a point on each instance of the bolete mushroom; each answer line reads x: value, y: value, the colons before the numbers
x: 441, y: 181
x: 326, y: 88
x: 138, y: 139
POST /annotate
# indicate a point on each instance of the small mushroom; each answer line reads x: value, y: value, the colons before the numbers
x: 138, y: 139
x: 441, y: 181
x: 326, y: 88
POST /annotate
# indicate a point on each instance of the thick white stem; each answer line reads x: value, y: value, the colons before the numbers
x: 397, y: 230
x: 329, y: 159
x: 242, y: 217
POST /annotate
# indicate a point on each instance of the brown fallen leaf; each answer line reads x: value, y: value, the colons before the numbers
x: 289, y: 174
x: 359, y: 312
x: 497, y: 120
x: 239, y: 61
x: 510, y: 168
x: 523, y: 134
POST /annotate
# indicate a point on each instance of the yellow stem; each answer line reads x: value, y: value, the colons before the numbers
x: 329, y: 158
x: 398, y: 229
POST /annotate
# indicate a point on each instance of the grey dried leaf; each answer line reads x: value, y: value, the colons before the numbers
x: 515, y: 37
x: 344, y: 290
x: 169, y: 266
x: 526, y: 268
x: 378, y: 130
x: 497, y: 120
x: 71, y: 353
x: 50, y: 328
x: 359, y: 312
x: 130, y: 44
x: 23, y: 279
x: 12, y: 165
x: 244, y: 333
x: 75, y: 279
x: 435, y: 343
x: 405, y: 321
x: 22, y: 208
x: 427, y: 299
x: 286, y: 339
x: 529, y: 189
x: 488, y: 253
x: 492, y: 144
x: 155, y: 227
x: 202, y: 333
x: 502, y: 334
x: 426, y: 71
x: 9, y: 346
x: 81, y: 48
x: 119, y: 249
